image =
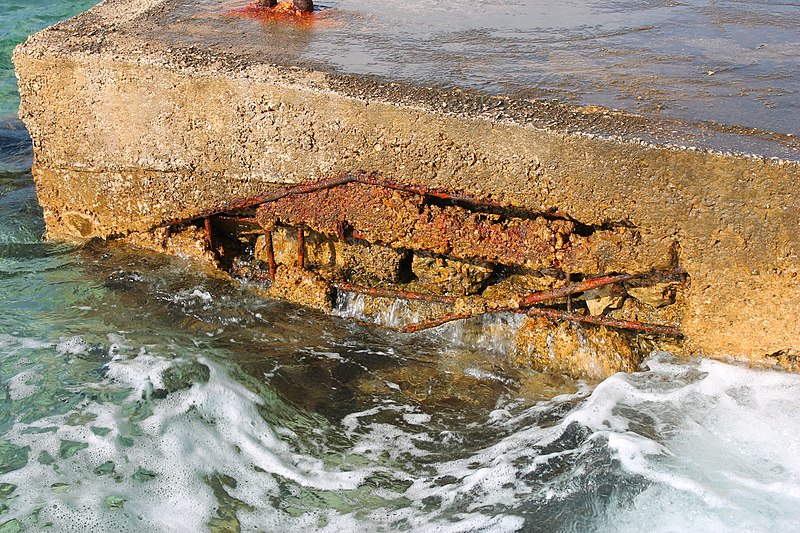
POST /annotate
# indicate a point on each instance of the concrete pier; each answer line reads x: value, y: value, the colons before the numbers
x: 146, y: 111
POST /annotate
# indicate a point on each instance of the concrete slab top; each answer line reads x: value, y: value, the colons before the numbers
x: 722, y: 75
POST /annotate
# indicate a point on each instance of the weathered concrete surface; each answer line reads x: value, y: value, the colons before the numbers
x: 132, y: 127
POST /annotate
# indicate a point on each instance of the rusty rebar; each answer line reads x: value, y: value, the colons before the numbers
x: 573, y: 288
x: 301, y: 248
x: 607, y: 321
x: 555, y: 314
x: 240, y: 220
x: 522, y: 303
x: 336, y: 181
x: 271, y: 265
x: 370, y: 179
x: 525, y: 305
x: 208, y: 232
x: 428, y: 324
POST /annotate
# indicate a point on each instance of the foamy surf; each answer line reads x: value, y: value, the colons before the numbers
x: 680, y: 445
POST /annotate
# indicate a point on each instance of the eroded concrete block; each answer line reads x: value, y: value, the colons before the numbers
x: 137, y: 121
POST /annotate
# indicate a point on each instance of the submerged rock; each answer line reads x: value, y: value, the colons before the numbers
x: 184, y: 375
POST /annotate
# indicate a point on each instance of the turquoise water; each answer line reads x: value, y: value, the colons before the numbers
x: 141, y: 393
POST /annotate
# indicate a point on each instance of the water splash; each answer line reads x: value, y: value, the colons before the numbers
x: 494, y: 333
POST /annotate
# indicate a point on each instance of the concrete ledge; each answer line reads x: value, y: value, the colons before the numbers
x: 130, y: 132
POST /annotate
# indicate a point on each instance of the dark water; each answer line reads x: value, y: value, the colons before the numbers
x: 141, y: 393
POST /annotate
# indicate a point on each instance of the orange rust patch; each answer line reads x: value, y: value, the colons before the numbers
x: 284, y: 12
x: 405, y: 220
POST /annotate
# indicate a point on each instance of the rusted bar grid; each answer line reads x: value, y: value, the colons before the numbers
x: 523, y: 305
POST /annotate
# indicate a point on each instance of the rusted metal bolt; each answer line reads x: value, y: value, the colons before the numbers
x: 306, y: 6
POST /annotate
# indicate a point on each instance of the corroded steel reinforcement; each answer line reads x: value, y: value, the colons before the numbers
x: 524, y: 301
x: 444, y: 223
x: 364, y: 205
x: 406, y: 217
x: 555, y: 314
x: 645, y: 327
x: 400, y: 219
x: 335, y: 181
x: 525, y: 305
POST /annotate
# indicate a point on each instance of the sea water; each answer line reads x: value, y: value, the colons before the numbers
x: 141, y: 393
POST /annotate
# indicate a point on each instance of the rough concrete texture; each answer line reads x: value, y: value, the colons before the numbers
x: 449, y: 276
x: 133, y: 126
x: 189, y: 242
x: 592, y: 352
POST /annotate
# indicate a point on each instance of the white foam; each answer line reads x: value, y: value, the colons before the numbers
x: 11, y: 344
x: 417, y: 419
x: 72, y: 346
x: 193, y: 297
x: 20, y: 386
x: 709, y: 446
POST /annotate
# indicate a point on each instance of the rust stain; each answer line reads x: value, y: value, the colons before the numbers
x: 400, y: 219
x: 282, y: 13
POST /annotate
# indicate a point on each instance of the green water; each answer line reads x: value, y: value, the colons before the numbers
x: 141, y: 393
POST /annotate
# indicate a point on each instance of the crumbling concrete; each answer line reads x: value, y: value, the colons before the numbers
x: 135, y: 125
